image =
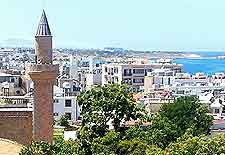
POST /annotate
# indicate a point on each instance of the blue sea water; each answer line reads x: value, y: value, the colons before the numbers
x: 208, y: 64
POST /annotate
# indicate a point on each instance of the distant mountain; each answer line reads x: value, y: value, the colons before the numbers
x: 14, y: 42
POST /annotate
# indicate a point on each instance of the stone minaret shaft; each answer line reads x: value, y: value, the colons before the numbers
x: 43, y: 73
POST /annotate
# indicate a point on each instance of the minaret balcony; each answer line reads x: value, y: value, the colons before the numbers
x: 42, y: 71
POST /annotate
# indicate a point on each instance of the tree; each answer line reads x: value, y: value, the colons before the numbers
x: 38, y: 148
x: 63, y: 121
x: 131, y: 147
x: 188, y: 144
x: 192, y: 145
x: 107, y: 103
x: 187, y: 112
x: 59, y: 148
x: 106, y: 145
x: 161, y: 132
x: 179, y: 128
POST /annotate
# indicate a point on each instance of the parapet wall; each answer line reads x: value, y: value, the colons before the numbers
x: 42, y: 68
x: 16, y: 125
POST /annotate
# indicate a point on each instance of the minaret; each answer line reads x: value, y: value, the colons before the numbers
x: 43, y: 74
x: 43, y: 42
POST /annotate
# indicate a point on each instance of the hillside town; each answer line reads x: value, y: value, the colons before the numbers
x: 152, y: 81
x: 40, y: 87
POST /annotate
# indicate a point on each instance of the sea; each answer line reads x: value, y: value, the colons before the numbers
x: 207, y: 63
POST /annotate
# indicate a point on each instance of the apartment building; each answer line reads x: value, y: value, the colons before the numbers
x: 158, y: 79
x: 93, y: 79
x: 132, y: 74
x: 65, y: 105
x: 196, y: 84
x: 71, y: 86
x: 218, y: 78
x: 10, y: 84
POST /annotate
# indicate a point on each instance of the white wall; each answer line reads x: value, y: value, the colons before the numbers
x: 93, y: 79
x: 61, y: 109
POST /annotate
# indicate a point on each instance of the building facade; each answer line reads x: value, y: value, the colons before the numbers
x: 65, y: 105
x: 132, y: 74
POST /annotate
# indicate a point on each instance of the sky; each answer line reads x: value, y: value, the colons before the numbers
x: 187, y: 25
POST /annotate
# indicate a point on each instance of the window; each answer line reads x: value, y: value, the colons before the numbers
x: 12, y: 80
x: 169, y: 81
x: 116, y: 70
x: 68, y: 103
x: 127, y: 81
x: 68, y: 115
x: 76, y: 88
x: 217, y: 111
x: 18, y: 92
x: 130, y: 71
x: 113, y: 80
x: 124, y: 71
x: 116, y: 79
x: 106, y: 78
x: 56, y: 114
x: 127, y: 72
x: 56, y: 101
x: 138, y: 71
x: 138, y: 80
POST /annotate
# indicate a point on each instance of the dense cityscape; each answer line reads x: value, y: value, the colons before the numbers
x: 108, y: 101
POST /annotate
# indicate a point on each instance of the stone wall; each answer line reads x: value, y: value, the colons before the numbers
x: 16, y: 125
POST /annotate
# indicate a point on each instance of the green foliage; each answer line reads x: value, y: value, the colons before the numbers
x: 63, y: 121
x: 186, y: 112
x: 180, y: 128
x: 161, y: 132
x: 61, y: 147
x: 104, y: 103
x: 131, y: 147
x: 106, y: 144
x: 196, y: 145
x: 58, y: 134
x: 191, y: 145
x: 154, y: 150
x: 5, y: 101
x: 38, y: 148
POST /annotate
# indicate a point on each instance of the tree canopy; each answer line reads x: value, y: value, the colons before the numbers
x: 188, y: 112
x: 103, y: 104
x: 63, y: 121
x: 180, y: 128
x: 192, y: 145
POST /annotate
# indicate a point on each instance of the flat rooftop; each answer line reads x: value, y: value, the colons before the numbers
x: 9, y: 147
x: 15, y: 109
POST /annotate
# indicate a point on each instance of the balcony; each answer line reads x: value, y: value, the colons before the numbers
x: 42, y: 67
x: 127, y: 74
x: 16, y: 102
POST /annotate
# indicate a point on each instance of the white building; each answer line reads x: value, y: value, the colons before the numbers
x: 194, y: 85
x: 10, y: 84
x: 218, y: 78
x: 65, y: 105
x: 132, y: 74
x: 73, y: 70
x: 158, y: 79
x: 71, y: 86
x: 65, y: 100
x: 217, y: 107
x: 93, y: 79
x: 90, y: 64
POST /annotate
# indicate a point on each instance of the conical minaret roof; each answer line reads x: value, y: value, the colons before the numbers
x: 43, y: 27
